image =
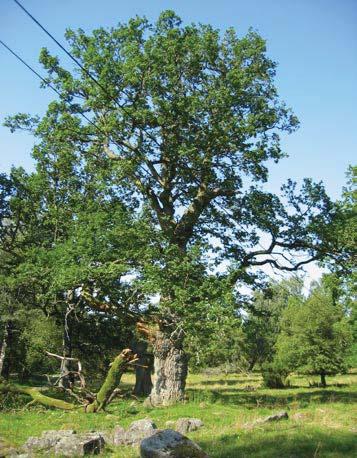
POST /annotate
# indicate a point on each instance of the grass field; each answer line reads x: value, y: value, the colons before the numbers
x: 322, y: 423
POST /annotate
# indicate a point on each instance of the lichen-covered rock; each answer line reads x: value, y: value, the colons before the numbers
x: 64, y: 443
x: 186, y: 425
x: 137, y: 431
x: 80, y: 445
x: 47, y: 440
x: 170, y: 444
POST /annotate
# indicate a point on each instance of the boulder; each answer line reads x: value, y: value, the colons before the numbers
x: 137, y: 431
x: 170, y: 444
x: 186, y: 425
x: 64, y: 443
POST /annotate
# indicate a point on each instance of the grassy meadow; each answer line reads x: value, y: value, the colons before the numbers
x: 322, y: 423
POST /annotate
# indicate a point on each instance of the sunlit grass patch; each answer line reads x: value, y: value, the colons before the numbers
x: 322, y: 422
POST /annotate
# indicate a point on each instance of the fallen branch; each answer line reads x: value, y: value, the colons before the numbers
x: 37, y: 396
x: 112, y: 380
x: 92, y: 403
x: 77, y: 373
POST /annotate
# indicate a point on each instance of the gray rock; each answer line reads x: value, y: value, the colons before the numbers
x: 276, y: 417
x: 80, y: 445
x: 119, y: 435
x: 271, y: 418
x: 137, y: 431
x: 47, y: 440
x: 186, y: 425
x: 170, y: 444
x: 64, y: 443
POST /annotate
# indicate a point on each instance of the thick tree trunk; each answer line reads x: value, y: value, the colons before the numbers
x: 323, y: 380
x: 143, y: 369
x: 170, y: 370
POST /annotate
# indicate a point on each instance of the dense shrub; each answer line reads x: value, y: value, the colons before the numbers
x: 274, y: 375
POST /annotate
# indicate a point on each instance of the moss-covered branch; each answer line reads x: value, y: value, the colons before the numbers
x: 36, y: 396
x: 112, y: 380
x: 102, y: 398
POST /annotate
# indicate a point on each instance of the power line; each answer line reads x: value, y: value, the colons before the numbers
x: 29, y: 67
x: 81, y: 66
x: 49, y: 85
x: 58, y: 93
x: 61, y: 46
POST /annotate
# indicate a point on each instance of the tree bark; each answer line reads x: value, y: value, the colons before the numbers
x: 7, y: 350
x: 323, y: 380
x: 170, y: 370
x: 3, y: 348
x: 143, y: 369
x: 66, y: 380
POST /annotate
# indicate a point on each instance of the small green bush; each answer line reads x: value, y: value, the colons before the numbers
x: 274, y: 375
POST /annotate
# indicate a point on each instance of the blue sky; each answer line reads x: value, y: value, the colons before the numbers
x: 314, y: 42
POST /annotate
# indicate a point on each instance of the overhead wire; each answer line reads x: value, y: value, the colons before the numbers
x: 76, y: 61
x: 47, y: 83
x: 50, y: 85
x: 29, y: 67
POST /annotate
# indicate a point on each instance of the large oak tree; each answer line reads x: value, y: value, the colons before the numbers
x: 187, y: 120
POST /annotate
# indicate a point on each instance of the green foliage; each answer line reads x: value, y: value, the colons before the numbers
x: 159, y: 196
x: 275, y: 374
x: 262, y: 324
x: 315, y: 335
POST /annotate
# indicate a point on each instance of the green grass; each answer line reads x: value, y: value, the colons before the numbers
x: 322, y: 423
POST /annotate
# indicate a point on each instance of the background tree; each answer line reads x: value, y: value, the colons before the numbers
x: 186, y: 121
x: 316, y: 335
x: 262, y: 324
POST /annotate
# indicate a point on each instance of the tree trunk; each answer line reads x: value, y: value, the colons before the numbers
x: 3, y: 348
x: 252, y: 363
x: 170, y: 369
x: 7, y: 350
x: 323, y: 380
x: 143, y: 369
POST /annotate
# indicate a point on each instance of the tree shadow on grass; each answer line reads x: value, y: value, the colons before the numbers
x: 227, y: 382
x: 299, y: 444
x: 281, y: 398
